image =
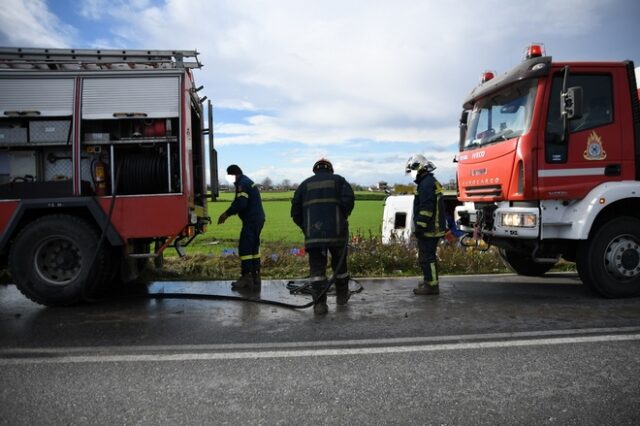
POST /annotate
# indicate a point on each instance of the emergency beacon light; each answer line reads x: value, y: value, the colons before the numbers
x: 534, y: 50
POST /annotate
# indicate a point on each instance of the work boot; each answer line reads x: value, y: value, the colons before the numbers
x: 427, y: 289
x: 320, y: 307
x: 342, y: 293
x: 243, y: 284
x: 257, y: 282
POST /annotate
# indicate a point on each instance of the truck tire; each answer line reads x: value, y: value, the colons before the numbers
x: 55, y: 260
x: 609, y: 262
x: 523, y: 264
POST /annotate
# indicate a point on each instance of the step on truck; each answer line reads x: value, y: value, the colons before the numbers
x: 102, y: 166
x: 549, y: 168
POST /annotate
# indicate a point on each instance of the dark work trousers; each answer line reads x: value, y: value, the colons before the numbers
x: 318, y: 265
x: 427, y: 259
x: 249, y: 247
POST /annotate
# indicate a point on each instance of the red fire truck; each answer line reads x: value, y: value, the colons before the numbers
x: 102, y: 165
x: 549, y: 167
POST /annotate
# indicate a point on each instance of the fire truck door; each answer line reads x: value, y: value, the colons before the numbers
x: 592, y: 153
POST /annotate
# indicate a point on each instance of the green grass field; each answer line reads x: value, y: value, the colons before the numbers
x: 366, y: 219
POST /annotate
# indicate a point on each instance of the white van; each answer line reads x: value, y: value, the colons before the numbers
x: 397, y: 218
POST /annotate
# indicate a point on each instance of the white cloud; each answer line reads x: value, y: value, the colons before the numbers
x: 261, y: 129
x: 28, y: 23
x: 236, y: 104
x: 93, y: 9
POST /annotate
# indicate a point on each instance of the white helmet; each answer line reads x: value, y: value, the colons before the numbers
x: 418, y: 163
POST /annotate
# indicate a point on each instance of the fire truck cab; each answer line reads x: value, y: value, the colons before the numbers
x: 549, y: 167
x: 102, y: 165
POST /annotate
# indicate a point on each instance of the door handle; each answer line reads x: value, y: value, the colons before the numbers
x: 613, y: 170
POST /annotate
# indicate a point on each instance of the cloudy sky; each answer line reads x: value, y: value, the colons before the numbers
x: 363, y: 83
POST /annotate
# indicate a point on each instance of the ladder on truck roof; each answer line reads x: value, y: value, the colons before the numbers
x: 92, y: 60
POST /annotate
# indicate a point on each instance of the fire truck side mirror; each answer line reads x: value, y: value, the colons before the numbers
x: 571, y: 103
x: 463, y: 117
x: 463, y: 127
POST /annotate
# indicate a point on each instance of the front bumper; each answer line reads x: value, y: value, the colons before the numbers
x: 500, y: 220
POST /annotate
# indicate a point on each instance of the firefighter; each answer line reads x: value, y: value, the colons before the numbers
x: 428, y: 220
x: 247, y: 204
x: 320, y: 207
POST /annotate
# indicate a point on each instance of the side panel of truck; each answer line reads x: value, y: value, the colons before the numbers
x: 149, y: 216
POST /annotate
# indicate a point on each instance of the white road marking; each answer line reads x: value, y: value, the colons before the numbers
x: 14, y: 357
x: 320, y: 343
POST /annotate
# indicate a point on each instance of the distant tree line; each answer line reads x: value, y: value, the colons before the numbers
x: 265, y: 185
x: 285, y: 185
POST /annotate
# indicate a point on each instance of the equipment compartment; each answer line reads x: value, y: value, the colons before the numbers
x: 17, y: 166
x: 13, y: 135
x: 130, y: 130
x: 146, y: 170
x: 50, y: 131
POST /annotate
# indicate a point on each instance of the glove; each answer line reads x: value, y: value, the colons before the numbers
x: 222, y: 218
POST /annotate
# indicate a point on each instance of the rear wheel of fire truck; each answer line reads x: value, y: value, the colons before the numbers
x: 54, y: 260
x: 523, y: 264
x: 609, y: 262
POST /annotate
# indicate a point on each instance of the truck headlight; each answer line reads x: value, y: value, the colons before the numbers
x: 523, y: 220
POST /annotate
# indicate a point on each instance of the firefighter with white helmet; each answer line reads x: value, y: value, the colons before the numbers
x: 428, y: 219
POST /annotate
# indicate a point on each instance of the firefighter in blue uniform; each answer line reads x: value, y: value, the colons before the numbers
x: 247, y: 204
x: 428, y: 219
x: 320, y: 207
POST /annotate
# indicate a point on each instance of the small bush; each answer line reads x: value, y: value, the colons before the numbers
x: 458, y: 260
x: 369, y: 257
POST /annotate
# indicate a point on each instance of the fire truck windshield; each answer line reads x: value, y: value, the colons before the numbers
x: 502, y: 115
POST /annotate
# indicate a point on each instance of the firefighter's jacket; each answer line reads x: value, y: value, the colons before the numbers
x: 320, y: 207
x: 428, y: 207
x: 247, y: 203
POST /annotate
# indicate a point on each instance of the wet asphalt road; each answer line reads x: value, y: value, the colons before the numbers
x: 496, y: 349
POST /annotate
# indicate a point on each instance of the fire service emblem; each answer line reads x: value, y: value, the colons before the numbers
x: 594, y: 149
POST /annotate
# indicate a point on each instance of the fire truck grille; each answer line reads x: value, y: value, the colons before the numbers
x: 492, y: 191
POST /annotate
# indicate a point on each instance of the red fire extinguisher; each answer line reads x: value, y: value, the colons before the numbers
x: 99, y: 173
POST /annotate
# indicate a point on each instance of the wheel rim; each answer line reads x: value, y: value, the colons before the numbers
x: 622, y: 257
x: 58, y: 260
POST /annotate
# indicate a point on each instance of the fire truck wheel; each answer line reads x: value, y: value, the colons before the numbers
x: 51, y: 258
x: 522, y: 264
x: 609, y: 262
